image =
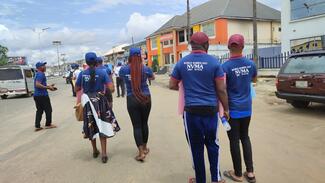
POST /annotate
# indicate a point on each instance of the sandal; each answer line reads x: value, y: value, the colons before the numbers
x: 229, y: 174
x: 249, y: 179
x: 50, y: 127
x: 96, y: 154
x: 38, y: 129
x: 104, y: 159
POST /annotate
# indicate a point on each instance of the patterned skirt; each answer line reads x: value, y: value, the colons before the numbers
x: 104, y: 113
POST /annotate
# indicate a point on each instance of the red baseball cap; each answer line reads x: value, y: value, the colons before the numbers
x: 199, y: 38
x: 237, y: 39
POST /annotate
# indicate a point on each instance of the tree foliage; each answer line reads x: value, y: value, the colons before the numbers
x: 3, y: 55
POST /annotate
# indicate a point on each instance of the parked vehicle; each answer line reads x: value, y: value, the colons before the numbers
x: 301, y: 80
x: 16, y: 80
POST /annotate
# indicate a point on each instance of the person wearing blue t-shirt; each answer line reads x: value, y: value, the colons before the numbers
x: 240, y: 72
x: 41, y: 97
x: 110, y: 75
x: 95, y: 82
x: 135, y: 75
x: 203, y: 80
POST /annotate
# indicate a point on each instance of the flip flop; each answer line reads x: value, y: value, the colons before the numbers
x: 230, y: 176
x: 249, y: 179
x: 38, y: 129
x: 50, y: 127
x: 192, y: 180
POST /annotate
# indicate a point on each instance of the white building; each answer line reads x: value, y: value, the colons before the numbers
x: 303, y: 25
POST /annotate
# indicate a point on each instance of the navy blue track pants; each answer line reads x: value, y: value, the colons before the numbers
x: 200, y: 131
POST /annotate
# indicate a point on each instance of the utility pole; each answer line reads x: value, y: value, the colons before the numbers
x: 57, y: 44
x: 39, y: 38
x: 255, y: 34
x: 63, y: 60
x: 188, y: 22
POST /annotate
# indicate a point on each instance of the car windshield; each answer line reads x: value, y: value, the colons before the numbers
x: 308, y: 65
x: 10, y: 74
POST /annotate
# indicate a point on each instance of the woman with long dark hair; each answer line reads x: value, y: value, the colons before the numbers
x: 99, y: 119
x: 135, y: 75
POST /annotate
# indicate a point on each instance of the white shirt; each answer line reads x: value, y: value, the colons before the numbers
x: 76, y: 74
x: 117, y: 71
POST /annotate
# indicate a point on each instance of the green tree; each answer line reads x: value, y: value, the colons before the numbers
x: 3, y: 55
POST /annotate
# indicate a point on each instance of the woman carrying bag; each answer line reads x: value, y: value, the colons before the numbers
x: 135, y: 75
x: 98, y: 117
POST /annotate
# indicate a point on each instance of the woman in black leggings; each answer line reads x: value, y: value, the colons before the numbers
x: 135, y: 75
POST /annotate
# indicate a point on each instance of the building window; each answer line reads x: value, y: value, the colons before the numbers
x: 153, y: 43
x: 181, y: 36
x: 167, y: 59
x: 168, y: 43
x: 209, y: 29
x: 306, y: 8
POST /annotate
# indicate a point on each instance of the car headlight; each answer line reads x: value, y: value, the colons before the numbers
x: 3, y: 90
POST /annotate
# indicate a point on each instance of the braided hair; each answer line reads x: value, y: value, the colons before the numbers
x: 137, y: 76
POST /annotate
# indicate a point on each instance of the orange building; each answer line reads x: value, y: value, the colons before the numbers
x: 218, y: 19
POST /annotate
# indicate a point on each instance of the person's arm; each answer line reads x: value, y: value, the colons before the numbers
x: 39, y: 85
x: 173, y: 84
x: 221, y: 90
x: 175, y: 78
x: 78, y: 83
x: 109, y: 83
x: 254, y: 79
x: 151, y: 75
x: 222, y: 93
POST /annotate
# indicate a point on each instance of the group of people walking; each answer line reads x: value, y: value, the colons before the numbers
x: 206, y: 84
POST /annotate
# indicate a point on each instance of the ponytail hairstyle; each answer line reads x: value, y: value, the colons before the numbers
x: 137, y: 76
x: 91, y: 62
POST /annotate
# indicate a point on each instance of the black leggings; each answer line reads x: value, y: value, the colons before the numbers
x: 239, y: 131
x: 139, y: 114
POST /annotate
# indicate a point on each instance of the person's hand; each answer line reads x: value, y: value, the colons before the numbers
x: 110, y: 104
x: 50, y: 88
x: 226, y: 115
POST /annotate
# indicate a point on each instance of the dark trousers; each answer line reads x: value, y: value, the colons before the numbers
x: 239, y: 132
x: 202, y: 130
x: 73, y: 91
x: 43, y: 103
x: 120, y: 85
x: 139, y: 114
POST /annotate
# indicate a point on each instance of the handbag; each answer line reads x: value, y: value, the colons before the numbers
x: 79, y: 110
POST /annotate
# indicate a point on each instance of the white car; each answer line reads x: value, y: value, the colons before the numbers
x: 16, y: 80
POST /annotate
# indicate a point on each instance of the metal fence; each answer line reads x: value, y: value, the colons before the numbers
x: 274, y: 62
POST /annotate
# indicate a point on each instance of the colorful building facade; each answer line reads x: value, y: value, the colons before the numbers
x: 169, y: 43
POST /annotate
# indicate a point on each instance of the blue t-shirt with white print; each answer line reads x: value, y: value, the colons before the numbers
x: 239, y: 73
x: 198, y: 72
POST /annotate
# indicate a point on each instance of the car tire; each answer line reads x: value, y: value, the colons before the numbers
x: 4, y: 97
x: 300, y: 104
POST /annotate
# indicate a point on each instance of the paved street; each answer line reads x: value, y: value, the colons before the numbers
x: 288, y: 144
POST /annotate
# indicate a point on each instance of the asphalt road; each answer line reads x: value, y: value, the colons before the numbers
x: 288, y: 144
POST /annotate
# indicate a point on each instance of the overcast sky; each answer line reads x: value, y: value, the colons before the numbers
x: 83, y: 25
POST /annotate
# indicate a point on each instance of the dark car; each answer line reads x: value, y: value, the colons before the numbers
x: 301, y: 80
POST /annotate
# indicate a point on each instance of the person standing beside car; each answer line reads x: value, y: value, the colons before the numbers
x: 41, y: 97
x: 240, y: 72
